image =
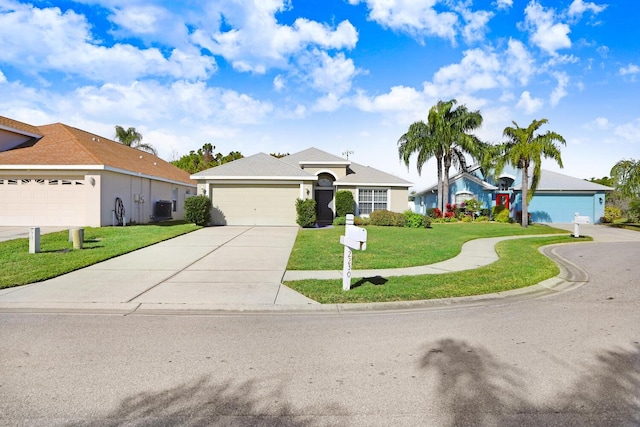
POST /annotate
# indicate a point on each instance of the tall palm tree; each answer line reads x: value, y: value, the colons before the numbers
x: 446, y: 136
x: 132, y: 138
x: 421, y: 140
x: 453, y: 126
x: 523, y: 149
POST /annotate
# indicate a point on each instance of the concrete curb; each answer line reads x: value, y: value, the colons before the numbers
x: 571, y: 277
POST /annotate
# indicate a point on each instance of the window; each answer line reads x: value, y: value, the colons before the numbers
x: 370, y: 200
x: 174, y: 198
x: 463, y: 196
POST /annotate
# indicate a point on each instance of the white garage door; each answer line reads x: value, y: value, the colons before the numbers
x: 257, y: 204
x: 42, y: 202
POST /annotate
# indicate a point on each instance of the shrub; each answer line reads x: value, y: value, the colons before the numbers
x: 361, y: 221
x: 426, y: 221
x: 634, y: 210
x: 434, y: 213
x: 345, y: 203
x: 382, y: 217
x: 611, y: 214
x: 472, y: 206
x: 413, y: 220
x: 197, y: 209
x: 306, y: 213
x: 399, y: 220
x: 340, y: 220
x: 482, y: 218
x: 500, y: 213
x: 466, y: 218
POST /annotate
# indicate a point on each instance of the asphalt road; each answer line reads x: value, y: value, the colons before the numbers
x: 571, y: 359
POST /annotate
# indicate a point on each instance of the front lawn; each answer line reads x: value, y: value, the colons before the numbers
x: 57, y: 256
x: 520, y: 265
x: 395, y: 247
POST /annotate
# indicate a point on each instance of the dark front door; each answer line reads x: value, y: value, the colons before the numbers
x: 323, y: 210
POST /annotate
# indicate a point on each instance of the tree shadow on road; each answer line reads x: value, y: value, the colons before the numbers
x: 205, y: 403
x: 475, y: 388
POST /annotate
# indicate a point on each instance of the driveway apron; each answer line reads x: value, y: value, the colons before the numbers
x: 212, y: 266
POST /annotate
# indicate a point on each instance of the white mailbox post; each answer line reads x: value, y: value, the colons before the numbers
x: 577, y: 220
x: 355, y: 238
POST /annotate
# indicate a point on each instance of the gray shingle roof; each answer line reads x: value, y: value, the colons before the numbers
x: 365, y: 175
x: 311, y: 155
x: 260, y: 165
x: 553, y: 181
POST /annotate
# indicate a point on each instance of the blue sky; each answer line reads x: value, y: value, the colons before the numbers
x: 340, y: 75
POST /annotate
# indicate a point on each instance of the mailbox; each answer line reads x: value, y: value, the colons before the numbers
x: 356, y: 238
x: 577, y: 220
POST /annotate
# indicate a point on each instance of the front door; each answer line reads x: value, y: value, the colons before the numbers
x: 324, y: 213
x: 502, y: 200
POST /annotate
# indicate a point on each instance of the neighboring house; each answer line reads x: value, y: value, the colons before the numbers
x: 557, y: 198
x: 262, y: 189
x: 57, y: 175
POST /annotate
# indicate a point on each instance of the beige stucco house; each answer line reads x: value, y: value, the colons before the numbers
x: 262, y: 189
x: 57, y: 175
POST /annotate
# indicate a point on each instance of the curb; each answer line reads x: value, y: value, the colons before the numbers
x: 571, y: 277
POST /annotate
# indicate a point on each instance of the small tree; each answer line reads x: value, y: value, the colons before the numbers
x: 197, y: 209
x: 306, y: 213
x: 345, y: 204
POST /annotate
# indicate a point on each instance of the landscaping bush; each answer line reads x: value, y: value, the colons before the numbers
x: 634, y: 210
x: 413, y: 220
x: 426, y: 221
x: 399, y: 220
x: 500, y: 214
x: 466, y: 218
x: 340, y: 220
x: 434, y: 213
x: 472, y: 206
x: 383, y: 218
x: 361, y: 221
x: 482, y: 218
x: 197, y: 209
x: 611, y: 214
x: 306, y: 213
x: 345, y: 203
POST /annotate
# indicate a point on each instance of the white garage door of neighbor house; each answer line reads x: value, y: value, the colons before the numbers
x: 42, y: 202
x: 257, y: 204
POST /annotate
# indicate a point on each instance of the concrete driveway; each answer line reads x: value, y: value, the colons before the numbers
x: 213, y: 267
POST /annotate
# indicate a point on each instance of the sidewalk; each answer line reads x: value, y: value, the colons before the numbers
x: 240, y: 269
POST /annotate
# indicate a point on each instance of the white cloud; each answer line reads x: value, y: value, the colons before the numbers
x: 3, y: 78
x: 579, y: 7
x: 44, y: 40
x: 629, y: 69
x: 519, y: 62
x: 139, y: 19
x: 629, y: 132
x: 257, y: 42
x: 279, y: 82
x: 504, y: 4
x: 475, y: 24
x: 399, y: 98
x: 546, y: 33
x: 560, y: 91
x: 528, y: 104
x: 333, y: 74
x: 418, y: 18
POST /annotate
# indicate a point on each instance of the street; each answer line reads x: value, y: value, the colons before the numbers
x: 566, y: 359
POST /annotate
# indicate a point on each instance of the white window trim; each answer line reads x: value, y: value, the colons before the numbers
x: 372, y: 202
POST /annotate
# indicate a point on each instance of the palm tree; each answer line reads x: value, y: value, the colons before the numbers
x: 420, y: 139
x: 523, y: 149
x: 453, y: 126
x: 446, y: 137
x: 132, y: 138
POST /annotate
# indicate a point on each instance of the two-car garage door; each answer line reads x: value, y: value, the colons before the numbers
x: 255, y: 204
x: 42, y: 202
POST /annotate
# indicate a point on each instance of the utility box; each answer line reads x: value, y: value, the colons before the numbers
x: 162, y: 210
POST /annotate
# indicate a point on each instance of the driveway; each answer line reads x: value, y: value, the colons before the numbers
x: 213, y: 267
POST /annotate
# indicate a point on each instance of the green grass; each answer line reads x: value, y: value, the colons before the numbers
x: 520, y: 265
x: 57, y: 255
x: 395, y: 247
